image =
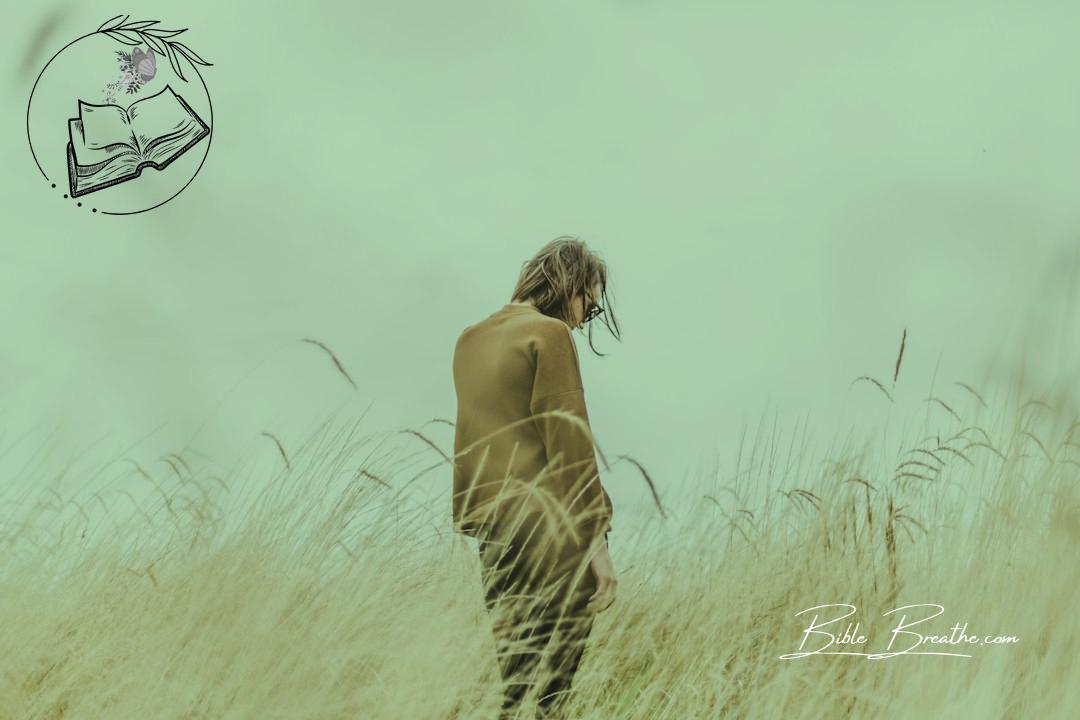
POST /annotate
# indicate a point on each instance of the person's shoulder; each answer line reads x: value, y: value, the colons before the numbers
x: 537, y: 327
x: 547, y: 322
x: 463, y: 336
x: 546, y: 328
x: 551, y: 336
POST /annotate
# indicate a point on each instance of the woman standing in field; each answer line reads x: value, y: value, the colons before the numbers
x: 526, y: 483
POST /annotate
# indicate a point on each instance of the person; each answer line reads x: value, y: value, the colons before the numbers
x: 526, y: 483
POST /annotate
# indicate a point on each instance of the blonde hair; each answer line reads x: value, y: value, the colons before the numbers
x: 561, y: 269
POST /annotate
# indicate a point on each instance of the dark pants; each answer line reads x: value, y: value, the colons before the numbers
x: 536, y: 585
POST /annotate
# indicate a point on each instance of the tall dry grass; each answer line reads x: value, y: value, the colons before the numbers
x: 329, y: 588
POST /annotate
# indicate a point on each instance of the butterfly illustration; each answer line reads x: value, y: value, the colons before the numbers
x: 136, y: 69
x: 145, y: 64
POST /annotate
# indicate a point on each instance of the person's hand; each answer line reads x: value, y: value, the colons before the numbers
x: 604, y: 572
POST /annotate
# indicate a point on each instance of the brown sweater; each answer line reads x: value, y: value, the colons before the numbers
x: 508, y: 368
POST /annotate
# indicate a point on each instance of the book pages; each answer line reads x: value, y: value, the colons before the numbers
x: 104, y: 164
x: 160, y: 118
x: 105, y: 125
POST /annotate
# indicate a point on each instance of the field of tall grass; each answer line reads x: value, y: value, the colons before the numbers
x: 325, y: 589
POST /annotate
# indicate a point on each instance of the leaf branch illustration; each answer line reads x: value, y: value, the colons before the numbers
x: 142, y: 32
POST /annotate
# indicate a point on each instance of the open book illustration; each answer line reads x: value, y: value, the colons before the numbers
x: 109, y: 145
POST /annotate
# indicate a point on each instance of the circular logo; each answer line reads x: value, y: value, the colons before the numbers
x: 119, y: 120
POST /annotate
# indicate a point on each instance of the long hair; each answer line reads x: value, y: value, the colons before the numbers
x: 562, y: 268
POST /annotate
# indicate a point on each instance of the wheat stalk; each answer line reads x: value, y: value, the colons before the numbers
x: 900, y: 357
x: 880, y: 386
x: 280, y: 449
x: 337, y: 363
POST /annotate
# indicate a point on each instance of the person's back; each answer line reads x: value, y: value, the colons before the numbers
x: 509, y: 368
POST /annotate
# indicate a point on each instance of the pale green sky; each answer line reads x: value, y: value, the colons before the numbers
x: 779, y: 189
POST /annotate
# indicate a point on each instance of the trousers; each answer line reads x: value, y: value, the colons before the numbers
x: 536, y: 584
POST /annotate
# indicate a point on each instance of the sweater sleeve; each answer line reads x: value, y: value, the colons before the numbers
x: 557, y: 386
